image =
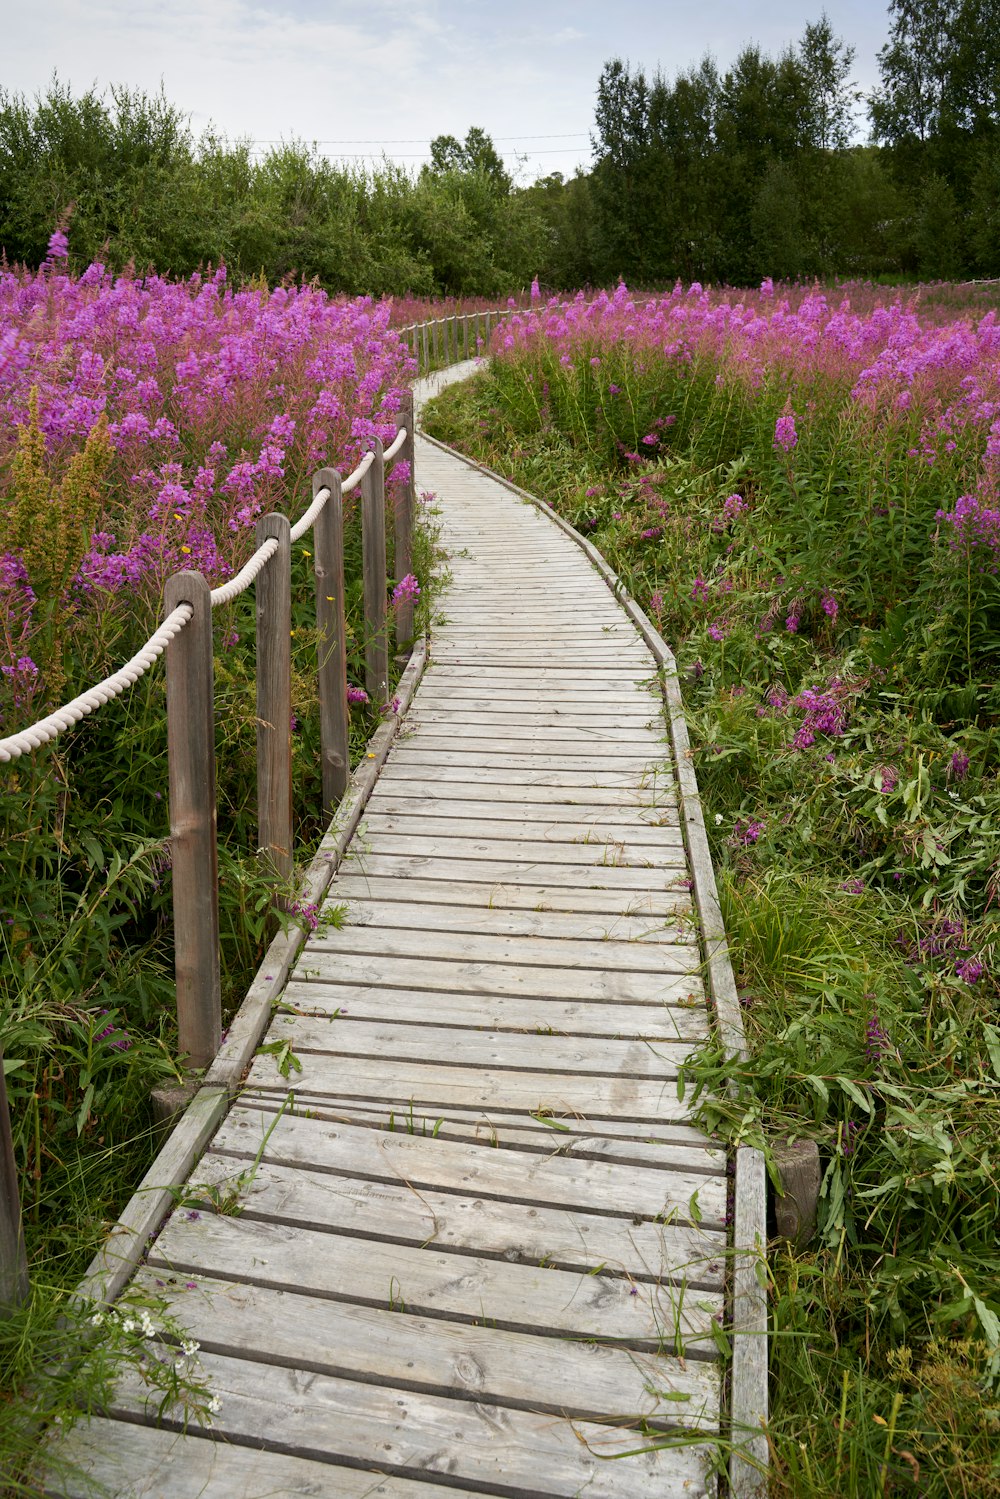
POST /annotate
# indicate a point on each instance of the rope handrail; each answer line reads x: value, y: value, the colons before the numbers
x: 95, y: 697
x: 48, y: 728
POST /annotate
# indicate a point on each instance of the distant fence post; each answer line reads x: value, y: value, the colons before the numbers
x: 405, y: 505
x: 373, y: 559
x: 424, y: 339
x: 434, y: 339
x: 475, y: 329
x: 274, y: 698
x: 465, y: 336
x: 193, y: 848
x: 331, y: 632
x: 13, y: 1259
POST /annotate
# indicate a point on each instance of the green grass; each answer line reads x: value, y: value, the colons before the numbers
x: 858, y: 878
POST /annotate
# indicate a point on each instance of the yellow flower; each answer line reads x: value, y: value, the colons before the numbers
x: 186, y: 550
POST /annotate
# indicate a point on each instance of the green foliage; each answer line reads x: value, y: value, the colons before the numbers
x: 857, y: 868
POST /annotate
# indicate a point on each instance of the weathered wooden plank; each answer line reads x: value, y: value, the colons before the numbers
x: 428, y: 1087
x: 607, y: 956
x: 405, y: 1211
x: 418, y: 1007
x: 522, y: 807
x: 651, y: 804
x: 550, y: 1131
x: 546, y: 1179
x: 328, y: 1037
x: 487, y: 711
x: 643, y: 788
x: 574, y: 738
x: 460, y: 976
x: 418, y: 1435
x: 598, y: 767
x: 611, y: 904
x: 383, y: 825
x: 507, y: 871
x: 147, y: 1462
x: 425, y: 916
x: 608, y: 854
x: 438, y: 1282
x: 458, y: 1359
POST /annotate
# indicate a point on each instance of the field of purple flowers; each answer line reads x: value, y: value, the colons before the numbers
x: 802, y: 487
x: 145, y: 424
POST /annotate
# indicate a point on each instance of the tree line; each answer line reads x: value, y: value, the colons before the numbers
x: 722, y: 176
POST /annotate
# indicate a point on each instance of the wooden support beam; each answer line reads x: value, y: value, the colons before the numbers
x: 405, y: 507
x: 194, y: 852
x: 13, y: 1259
x: 373, y: 561
x: 331, y: 636
x: 274, y: 700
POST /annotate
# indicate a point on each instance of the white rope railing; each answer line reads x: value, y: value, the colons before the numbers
x: 47, y: 729
x: 226, y: 592
x: 95, y: 697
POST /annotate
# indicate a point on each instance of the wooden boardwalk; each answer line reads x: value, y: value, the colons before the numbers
x: 479, y: 1248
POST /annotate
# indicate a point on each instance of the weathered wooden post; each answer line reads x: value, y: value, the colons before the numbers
x: 425, y: 336
x: 331, y: 632
x: 373, y: 562
x: 13, y: 1259
x: 193, y: 847
x: 274, y: 699
x: 486, y: 335
x: 434, y: 339
x: 475, y: 325
x: 465, y: 336
x: 405, y: 507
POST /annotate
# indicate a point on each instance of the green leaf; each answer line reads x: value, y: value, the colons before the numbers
x: 991, y: 1035
x: 855, y: 1093
x: 988, y: 1321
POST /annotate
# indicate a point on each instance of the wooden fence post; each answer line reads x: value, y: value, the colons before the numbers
x: 331, y: 631
x: 13, y: 1259
x: 434, y: 339
x: 193, y: 847
x: 274, y: 699
x: 424, y: 339
x: 405, y: 496
x: 465, y: 336
x: 486, y: 335
x: 475, y: 326
x: 373, y: 560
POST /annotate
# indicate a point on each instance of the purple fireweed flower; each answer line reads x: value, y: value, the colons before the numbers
x: 716, y: 632
x: 877, y: 1041
x: 853, y: 887
x: 356, y: 696
x: 888, y: 776
x: 58, y: 246
x: 747, y: 833
x: 785, y: 435
x: 700, y: 589
x: 653, y: 534
x: 829, y: 605
x: 959, y: 767
x: 406, y: 589
x: 970, y: 970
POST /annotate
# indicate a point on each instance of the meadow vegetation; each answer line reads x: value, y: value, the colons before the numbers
x: 800, y: 487
x: 146, y: 424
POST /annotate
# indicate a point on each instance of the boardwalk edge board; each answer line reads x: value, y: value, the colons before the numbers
x: 143, y: 1215
x: 749, y: 1396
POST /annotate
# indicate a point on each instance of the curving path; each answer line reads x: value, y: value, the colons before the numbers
x: 482, y: 1250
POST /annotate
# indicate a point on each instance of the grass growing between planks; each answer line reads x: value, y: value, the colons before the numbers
x: 804, y: 497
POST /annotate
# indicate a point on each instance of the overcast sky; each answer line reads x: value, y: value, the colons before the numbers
x: 365, y: 76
